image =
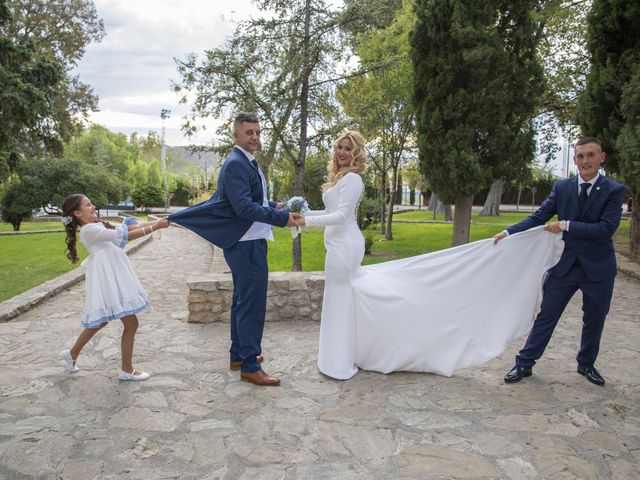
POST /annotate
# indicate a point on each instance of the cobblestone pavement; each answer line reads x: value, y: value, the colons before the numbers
x: 194, y: 419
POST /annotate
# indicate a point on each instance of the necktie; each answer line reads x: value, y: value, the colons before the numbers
x: 582, y: 198
x: 263, y: 181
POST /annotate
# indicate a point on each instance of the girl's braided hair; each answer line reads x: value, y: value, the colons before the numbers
x: 69, y: 205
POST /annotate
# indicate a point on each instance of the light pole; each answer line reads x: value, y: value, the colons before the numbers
x: 164, y: 113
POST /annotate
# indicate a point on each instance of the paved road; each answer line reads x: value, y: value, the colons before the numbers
x: 194, y: 419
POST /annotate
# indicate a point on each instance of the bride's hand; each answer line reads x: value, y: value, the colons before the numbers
x: 293, y: 219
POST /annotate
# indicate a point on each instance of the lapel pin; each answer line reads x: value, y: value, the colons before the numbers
x: 597, y: 188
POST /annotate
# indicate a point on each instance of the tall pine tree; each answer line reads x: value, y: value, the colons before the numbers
x: 476, y: 81
x: 608, y: 106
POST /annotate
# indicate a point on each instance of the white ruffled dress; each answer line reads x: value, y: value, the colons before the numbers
x: 112, y: 288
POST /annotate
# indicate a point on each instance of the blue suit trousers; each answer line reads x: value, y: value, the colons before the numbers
x: 250, y: 271
x: 596, y: 299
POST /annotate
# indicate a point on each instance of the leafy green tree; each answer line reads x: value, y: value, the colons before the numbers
x: 50, y: 180
x: 182, y: 192
x: 362, y: 16
x: 413, y: 175
x: 472, y: 64
x: 101, y: 147
x: 608, y: 107
x: 282, y: 65
x: 628, y: 146
x: 315, y: 174
x: 61, y: 30
x: 379, y: 101
x: 44, y: 182
x: 16, y: 205
x: 28, y: 83
x: 562, y: 50
x: 149, y: 188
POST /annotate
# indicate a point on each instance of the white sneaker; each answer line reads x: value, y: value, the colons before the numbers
x: 71, y: 365
x: 122, y: 375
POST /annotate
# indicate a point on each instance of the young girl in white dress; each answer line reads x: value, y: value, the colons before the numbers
x: 112, y: 289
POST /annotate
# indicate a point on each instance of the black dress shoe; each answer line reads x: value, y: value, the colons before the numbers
x: 517, y: 373
x: 592, y: 375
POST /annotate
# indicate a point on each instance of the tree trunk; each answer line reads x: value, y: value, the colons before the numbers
x: 388, y: 233
x: 433, y: 202
x: 298, y: 187
x: 634, y: 232
x: 438, y: 206
x: 446, y: 208
x: 383, y: 181
x: 491, y: 206
x: 462, y: 221
x: 398, y: 188
x: 267, y: 160
x: 412, y: 197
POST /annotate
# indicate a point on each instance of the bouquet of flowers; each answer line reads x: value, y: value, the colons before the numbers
x: 296, y: 205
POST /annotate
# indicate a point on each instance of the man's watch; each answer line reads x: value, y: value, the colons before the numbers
x: 563, y: 225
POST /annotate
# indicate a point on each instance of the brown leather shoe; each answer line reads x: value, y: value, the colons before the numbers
x: 259, y: 378
x: 236, y: 365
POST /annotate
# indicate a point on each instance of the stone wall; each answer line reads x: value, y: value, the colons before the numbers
x: 291, y: 296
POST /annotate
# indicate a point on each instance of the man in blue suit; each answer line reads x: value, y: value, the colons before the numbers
x: 238, y: 218
x: 589, y: 207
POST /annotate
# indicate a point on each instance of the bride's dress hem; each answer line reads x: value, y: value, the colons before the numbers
x: 337, y: 377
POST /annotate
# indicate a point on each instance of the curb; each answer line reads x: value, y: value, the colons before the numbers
x: 14, y: 306
x: 628, y: 268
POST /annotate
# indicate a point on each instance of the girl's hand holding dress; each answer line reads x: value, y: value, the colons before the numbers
x: 162, y: 223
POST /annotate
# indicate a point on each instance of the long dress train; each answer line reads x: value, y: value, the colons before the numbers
x: 437, y: 312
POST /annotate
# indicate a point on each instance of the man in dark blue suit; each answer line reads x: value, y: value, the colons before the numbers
x: 589, y: 207
x: 238, y: 218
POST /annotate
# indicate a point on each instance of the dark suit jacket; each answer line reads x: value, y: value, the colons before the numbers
x: 236, y: 204
x: 589, y: 238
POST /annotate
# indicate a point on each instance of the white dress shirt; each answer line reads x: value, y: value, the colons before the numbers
x: 258, y: 230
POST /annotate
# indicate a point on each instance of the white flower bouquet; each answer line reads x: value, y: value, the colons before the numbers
x: 296, y: 205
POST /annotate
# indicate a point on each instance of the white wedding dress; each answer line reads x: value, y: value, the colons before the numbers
x: 437, y: 312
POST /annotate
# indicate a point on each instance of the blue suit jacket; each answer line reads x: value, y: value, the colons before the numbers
x: 589, y: 238
x: 236, y: 204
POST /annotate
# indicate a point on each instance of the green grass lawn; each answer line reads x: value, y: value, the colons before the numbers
x: 29, y: 226
x: 29, y: 260
x: 408, y: 239
x: 505, y: 218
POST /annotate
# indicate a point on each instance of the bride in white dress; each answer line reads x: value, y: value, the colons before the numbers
x: 345, y: 251
x: 437, y: 312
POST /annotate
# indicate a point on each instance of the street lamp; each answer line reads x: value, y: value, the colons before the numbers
x: 164, y: 113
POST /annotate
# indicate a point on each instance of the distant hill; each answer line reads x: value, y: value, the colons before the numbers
x: 181, y: 160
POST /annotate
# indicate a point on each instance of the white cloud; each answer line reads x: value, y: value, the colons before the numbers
x: 132, y: 68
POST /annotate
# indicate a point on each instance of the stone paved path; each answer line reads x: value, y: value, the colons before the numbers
x: 194, y: 419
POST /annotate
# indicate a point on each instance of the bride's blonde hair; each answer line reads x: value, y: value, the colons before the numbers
x: 358, y: 159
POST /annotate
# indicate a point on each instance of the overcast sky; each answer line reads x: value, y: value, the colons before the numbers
x: 132, y: 67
